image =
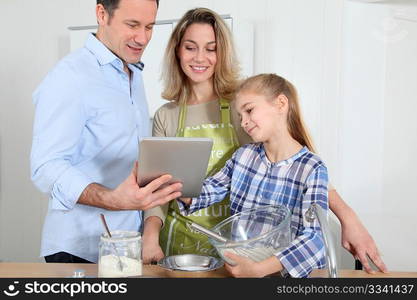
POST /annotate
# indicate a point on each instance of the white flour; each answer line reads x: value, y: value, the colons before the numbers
x: 108, y: 266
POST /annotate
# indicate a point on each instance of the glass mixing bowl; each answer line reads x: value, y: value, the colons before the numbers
x: 256, y: 233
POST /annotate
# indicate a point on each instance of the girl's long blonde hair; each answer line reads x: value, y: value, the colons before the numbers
x: 271, y: 86
x: 226, y: 73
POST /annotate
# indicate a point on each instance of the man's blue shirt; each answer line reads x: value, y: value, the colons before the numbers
x: 88, y: 121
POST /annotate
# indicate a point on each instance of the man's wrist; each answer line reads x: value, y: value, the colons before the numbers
x: 110, y: 199
x: 347, y: 217
x: 99, y: 196
x: 339, y: 207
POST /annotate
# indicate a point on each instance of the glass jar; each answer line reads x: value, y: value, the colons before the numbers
x: 124, y: 244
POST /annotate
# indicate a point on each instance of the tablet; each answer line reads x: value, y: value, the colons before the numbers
x: 186, y: 159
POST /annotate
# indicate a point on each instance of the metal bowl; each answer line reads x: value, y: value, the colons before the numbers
x: 190, y: 263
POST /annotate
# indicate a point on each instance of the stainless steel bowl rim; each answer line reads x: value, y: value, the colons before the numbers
x: 163, y: 262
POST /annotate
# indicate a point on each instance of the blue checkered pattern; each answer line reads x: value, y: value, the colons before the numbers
x: 252, y: 180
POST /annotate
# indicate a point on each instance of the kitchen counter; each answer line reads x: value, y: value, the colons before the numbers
x: 55, y: 270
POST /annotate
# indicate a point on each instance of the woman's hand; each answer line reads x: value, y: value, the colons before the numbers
x: 151, y: 251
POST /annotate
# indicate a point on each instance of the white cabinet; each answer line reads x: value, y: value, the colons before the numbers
x: 152, y: 58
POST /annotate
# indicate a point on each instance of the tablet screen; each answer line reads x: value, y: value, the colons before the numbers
x: 186, y: 159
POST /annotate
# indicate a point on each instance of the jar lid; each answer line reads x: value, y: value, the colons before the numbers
x: 121, y: 236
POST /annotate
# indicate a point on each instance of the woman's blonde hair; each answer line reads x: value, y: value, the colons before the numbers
x: 226, y: 73
x: 271, y: 86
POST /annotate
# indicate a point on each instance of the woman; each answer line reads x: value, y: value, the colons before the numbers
x: 200, y: 76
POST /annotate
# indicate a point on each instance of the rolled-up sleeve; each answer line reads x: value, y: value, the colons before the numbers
x: 158, y: 211
x: 306, y: 252
x: 58, y: 125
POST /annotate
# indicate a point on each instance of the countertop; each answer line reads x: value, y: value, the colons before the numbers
x: 55, y: 270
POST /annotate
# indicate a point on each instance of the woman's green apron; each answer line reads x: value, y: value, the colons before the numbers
x: 176, y: 237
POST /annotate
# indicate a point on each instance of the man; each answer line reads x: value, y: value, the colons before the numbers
x: 90, y: 113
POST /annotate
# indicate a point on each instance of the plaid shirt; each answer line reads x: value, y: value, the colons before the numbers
x: 252, y: 180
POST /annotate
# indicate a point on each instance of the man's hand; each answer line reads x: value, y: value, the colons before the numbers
x: 357, y: 240
x: 129, y: 196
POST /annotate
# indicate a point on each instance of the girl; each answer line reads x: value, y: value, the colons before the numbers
x: 279, y: 167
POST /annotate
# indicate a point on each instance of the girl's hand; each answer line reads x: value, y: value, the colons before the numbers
x: 244, y: 267
x: 186, y: 201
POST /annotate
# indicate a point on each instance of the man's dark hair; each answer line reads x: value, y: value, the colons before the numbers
x: 111, y: 5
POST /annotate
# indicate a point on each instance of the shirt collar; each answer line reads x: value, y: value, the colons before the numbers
x: 288, y: 161
x: 103, y: 54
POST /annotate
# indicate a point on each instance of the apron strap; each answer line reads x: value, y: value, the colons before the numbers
x: 225, y: 112
x: 181, y: 120
x: 225, y: 120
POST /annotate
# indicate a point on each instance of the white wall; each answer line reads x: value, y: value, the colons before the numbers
x: 377, y: 128
x: 357, y: 90
x: 33, y: 38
